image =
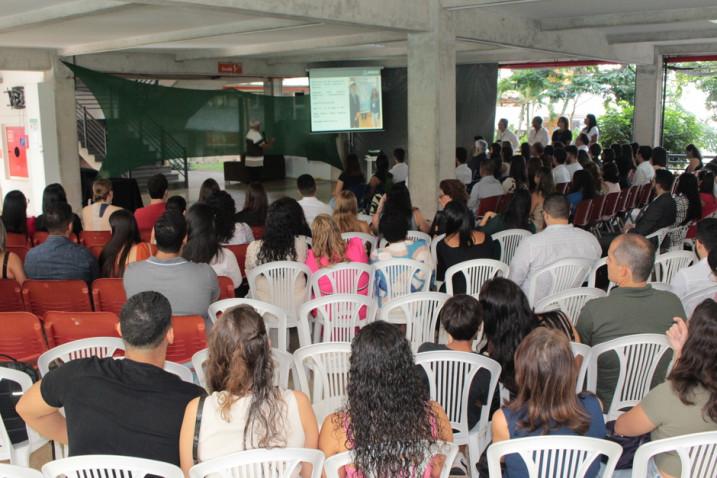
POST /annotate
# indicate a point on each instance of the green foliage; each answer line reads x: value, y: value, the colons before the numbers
x: 616, y: 124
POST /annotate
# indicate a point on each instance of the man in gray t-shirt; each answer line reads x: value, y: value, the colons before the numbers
x: 190, y: 287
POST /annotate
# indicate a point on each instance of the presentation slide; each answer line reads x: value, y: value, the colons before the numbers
x: 345, y: 99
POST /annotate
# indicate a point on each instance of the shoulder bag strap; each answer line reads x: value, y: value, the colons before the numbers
x: 5, y: 261
x: 197, y: 427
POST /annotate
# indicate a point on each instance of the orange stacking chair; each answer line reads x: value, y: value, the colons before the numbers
x: 189, y: 338
x: 10, y: 296
x: 108, y: 295
x: 41, y: 296
x: 63, y: 327
x: 95, y: 241
x: 240, y: 253
x: 40, y: 236
x: 226, y: 288
x: 21, y: 336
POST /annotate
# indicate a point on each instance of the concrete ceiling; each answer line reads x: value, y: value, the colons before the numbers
x: 314, y: 31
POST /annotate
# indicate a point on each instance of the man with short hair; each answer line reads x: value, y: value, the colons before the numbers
x: 698, y: 276
x: 58, y: 258
x: 504, y: 134
x: 312, y: 207
x: 399, y: 171
x: 538, y: 134
x: 571, y: 154
x: 644, y: 172
x: 189, y: 286
x: 127, y: 407
x: 559, y: 240
x: 463, y: 172
x: 147, y: 216
x: 488, y: 186
x: 659, y: 158
x: 661, y: 212
x: 634, y: 307
x: 561, y: 174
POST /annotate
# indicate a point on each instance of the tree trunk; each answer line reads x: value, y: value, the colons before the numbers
x: 572, y: 113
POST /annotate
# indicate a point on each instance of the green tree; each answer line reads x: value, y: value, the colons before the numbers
x: 529, y: 87
x: 616, y: 124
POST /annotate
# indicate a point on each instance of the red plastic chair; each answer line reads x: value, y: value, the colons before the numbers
x: 21, y: 251
x: 63, y: 327
x: 488, y: 204
x: 146, y: 235
x: 621, y: 205
x: 108, y: 295
x: 226, y: 288
x: 631, y: 200
x: 21, y: 336
x: 14, y: 239
x: 95, y: 241
x: 257, y: 231
x: 609, y: 206
x: 42, y: 296
x: 240, y: 253
x: 189, y: 338
x: 40, y: 236
x: 596, y: 210
x: 582, y: 212
x: 10, y: 296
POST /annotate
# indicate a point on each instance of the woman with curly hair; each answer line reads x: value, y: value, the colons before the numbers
x: 244, y: 409
x: 346, y: 214
x: 388, y: 422
x: 687, y: 402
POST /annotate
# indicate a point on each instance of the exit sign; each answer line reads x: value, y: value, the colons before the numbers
x: 229, y: 68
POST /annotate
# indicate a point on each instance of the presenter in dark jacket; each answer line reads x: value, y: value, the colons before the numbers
x: 354, y: 105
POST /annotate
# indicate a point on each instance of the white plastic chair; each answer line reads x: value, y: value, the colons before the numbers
x: 661, y: 286
x: 509, y: 241
x: 693, y: 299
x: 274, y: 317
x: 559, y: 276
x: 283, y: 365
x: 678, y: 235
x: 183, y: 372
x: 329, y: 364
x: 434, y: 248
x: 592, y: 278
x: 83, y: 348
x: 18, y: 453
x: 344, y: 278
x: 261, y: 462
x: 335, y: 463
x: 419, y: 313
x: 365, y: 238
x: 584, y: 352
x: 95, y: 466
x: 337, y: 316
x: 638, y: 356
x: 398, y: 276
x: 410, y: 236
x: 667, y: 265
x: 697, y: 452
x: 555, y: 456
x: 365, y: 218
x: 476, y: 272
x: 570, y: 301
x: 659, y: 235
x: 17, y: 471
x: 450, y: 375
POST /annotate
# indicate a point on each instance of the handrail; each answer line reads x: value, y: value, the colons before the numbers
x: 91, y: 132
x: 169, y: 149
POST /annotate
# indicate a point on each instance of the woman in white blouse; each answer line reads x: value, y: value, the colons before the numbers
x: 591, y: 128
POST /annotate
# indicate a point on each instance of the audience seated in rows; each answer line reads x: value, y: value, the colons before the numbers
x: 571, y: 161
x: 582, y: 188
x: 515, y: 216
x: 610, y: 177
x: 58, y: 258
x: 10, y: 263
x: 488, y: 186
x: 517, y: 175
x: 645, y: 173
x: 190, y: 287
x: 346, y: 214
x: 561, y: 174
x: 634, y: 307
x: 698, y: 276
x: 399, y: 199
x: 255, y: 207
x: 661, y: 212
x: 463, y: 172
x: 229, y: 231
x: 309, y: 203
x: 124, y: 247
x: 52, y: 195
x: 146, y: 216
x: 127, y: 406
x: 14, y: 214
x: 96, y: 216
x: 559, y: 240
x: 543, y: 187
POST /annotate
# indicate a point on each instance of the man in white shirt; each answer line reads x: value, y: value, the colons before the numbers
x: 561, y: 175
x: 312, y: 207
x: 559, y: 240
x: 644, y: 172
x: 488, y: 186
x: 255, y: 147
x: 571, y: 156
x: 537, y: 133
x: 504, y: 134
x: 463, y: 172
x: 399, y: 171
x: 698, y: 276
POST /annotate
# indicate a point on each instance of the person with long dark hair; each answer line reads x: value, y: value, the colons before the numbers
x: 351, y: 179
x: 52, y: 195
x: 388, y: 409
x: 546, y: 402
x: 379, y: 184
x: 256, y: 204
x: 582, y: 188
x: 610, y: 175
x: 462, y: 243
x: 14, y: 214
x: 544, y: 187
x: 517, y: 175
x: 562, y: 133
x: 506, y: 155
x: 228, y: 230
x: 687, y: 402
x: 10, y: 263
x: 202, y: 244
x: 244, y: 410
x: 516, y: 215
x: 208, y: 187
x: 687, y: 200
x: 399, y: 199
x: 694, y: 158
x: 707, y: 198
x: 591, y: 128
x: 125, y: 247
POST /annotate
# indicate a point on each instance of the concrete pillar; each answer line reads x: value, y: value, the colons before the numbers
x: 647, y: 123
x: 273, y: 87
x: 431, y: 109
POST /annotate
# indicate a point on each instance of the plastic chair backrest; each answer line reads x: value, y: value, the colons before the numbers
x: 659, y: 236
x: 509, y: 241
x: 15, y: 471
x: 181, y: 371
x: 21, y: 336
x: 693, y: 299
x: 83, y: 348
x: 365, y: 238
x: 283, y: 366
x: 337, y: 316
x: 434, y: 247
x: 555, y: 456
x: 281, y: 278
x: 261, y: 462
x: 20, y: 251
x: 638, y: 356
x: 410, y: 236
x: 570, y: 301
x: 95, y: 238
x: 10, y: 296
x: 476, y: 273
x: 678, y: 235
x: 584, y: 352
x: 226, y: 288
x: 239, y: 251
x: 669, y: 263
x: 13, y: 239
x: 399, y: 274
x: 18, y: 453
x: 109, y: 465
x: 344, y: 278
x: 592, y: 278
x: 257, y: 232
x: 329, y: 364
x: 697, y: 453
x: 487, y: 204
x: 64, y: 327
x: 189, y: 337
x: 108, y: 295
x: 41, y: 296
x: 419, y: 313
x: 560, y: 275
x: 274, y: 317
x: 582, y: 213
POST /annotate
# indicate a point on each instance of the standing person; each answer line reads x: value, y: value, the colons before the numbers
x: 255, y: 146
x: 209, y: 187
x: 256, y: 204
x: 148, y: 215
x: 376, y: 108
x: 591, y: 129
x: 399, y: 171
x: 52, y: 195
x: 538, y: 134
x: 351, y: 179
x: 10, y: 263
x: 463, y: 172
x: 506, y: 135
x: 14, y: 214
x: 124, y: 247
x: 644, y: 173
x: 346, y: 214
x: 354, y: 105
x: 694, y: 158
x: 562, y: 133
x: 96, y: 216
x: 309, y: 203
x: 128, y: 407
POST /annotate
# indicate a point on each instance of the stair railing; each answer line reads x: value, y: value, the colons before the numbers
x: 91, y: 133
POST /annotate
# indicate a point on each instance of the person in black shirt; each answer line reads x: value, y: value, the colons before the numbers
x: 562, y: 133
x: 129, y: 407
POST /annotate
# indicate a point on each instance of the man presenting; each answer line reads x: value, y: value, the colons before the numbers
x: 255, y: 147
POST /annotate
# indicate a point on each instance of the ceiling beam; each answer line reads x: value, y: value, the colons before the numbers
x: 292, y: 46
x: 645, y: 17
x: 56, y: 13
x: 408, y: 15
x: 707, y: 48
x: 673, y: 36
x: 242, y: 27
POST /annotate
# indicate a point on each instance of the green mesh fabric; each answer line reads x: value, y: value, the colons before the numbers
x: 147, y: 123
